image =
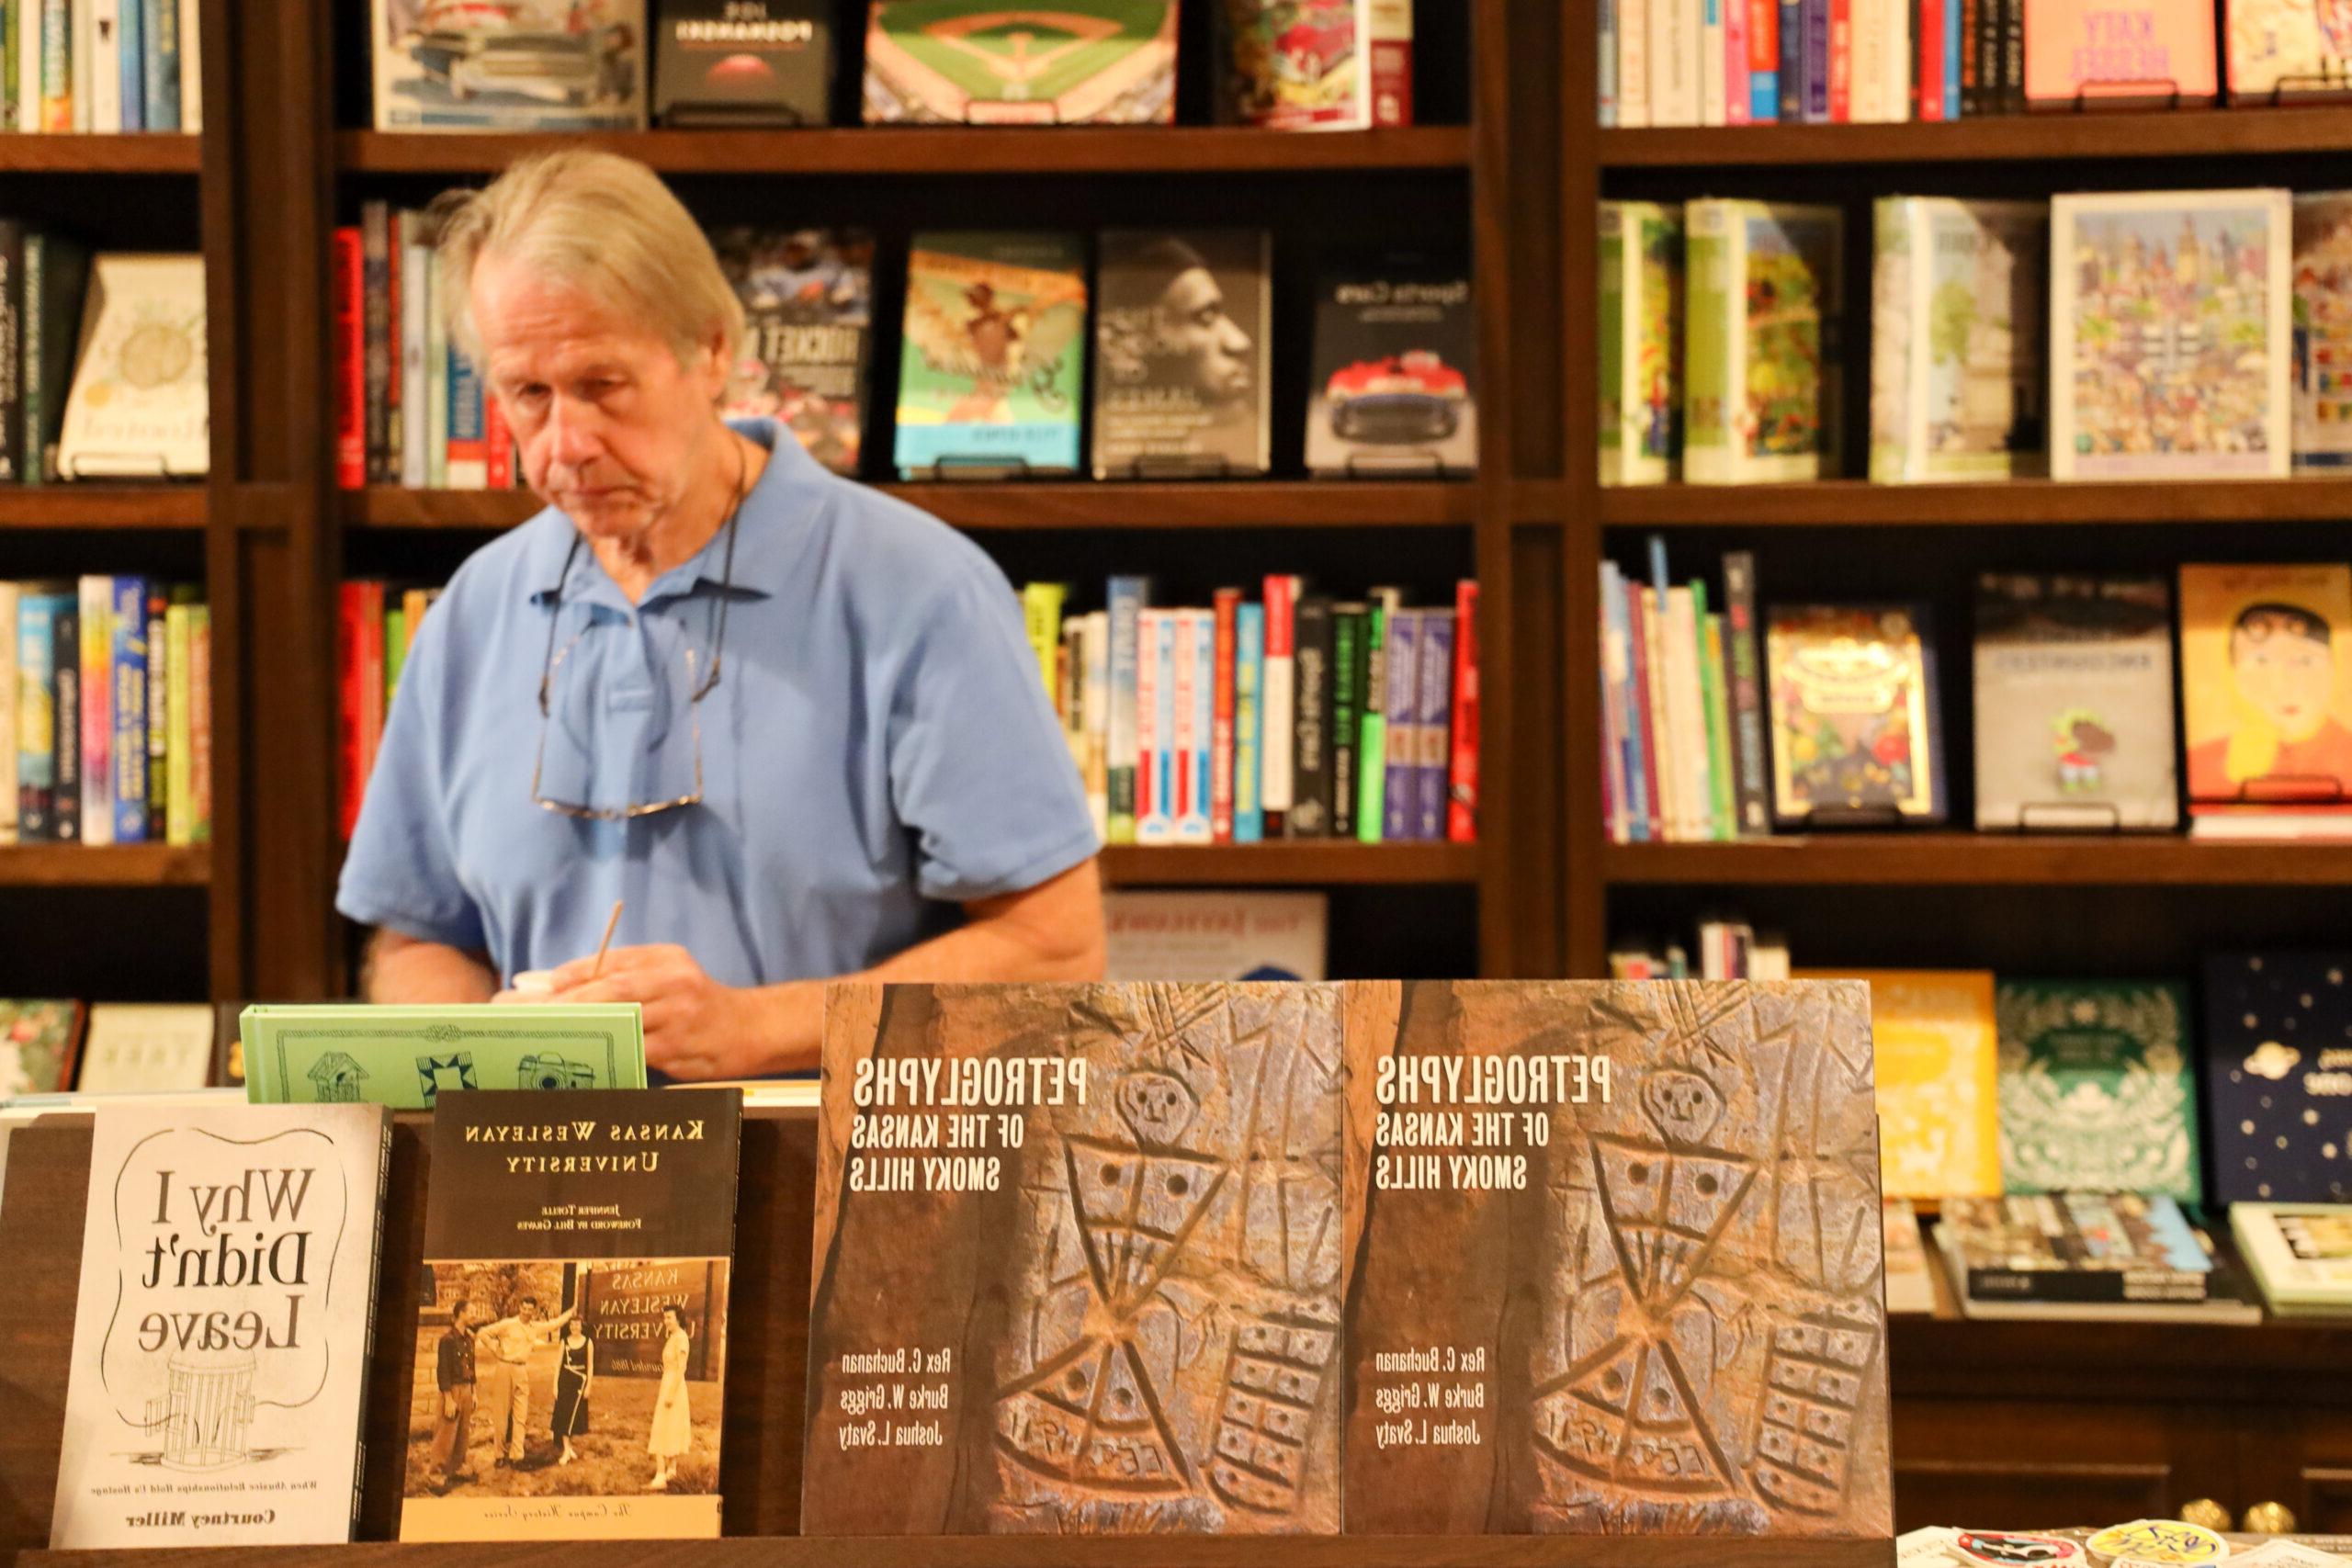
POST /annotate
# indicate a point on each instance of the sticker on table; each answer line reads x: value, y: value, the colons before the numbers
x: 2006, y: 1550
x: 2159, y: 1543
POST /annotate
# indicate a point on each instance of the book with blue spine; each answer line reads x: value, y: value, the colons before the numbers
x: 1156, y: 725
x: 128, y: 670
x: 1126, y: 597
x: 130, y: 75
x: 161, y: 58
x: 1430, y: 798
x: 38, y: 607
x: 1400, y: 780
x: 468, y: 447
x: 1248, y: 720
x: 1763, y: 88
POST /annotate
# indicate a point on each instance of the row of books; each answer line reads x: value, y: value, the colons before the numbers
x: 106, y: 710
x: 1993, y: 1085
x: 100, y: 66
x: 52, y: 1046
x: 1837, y: 721
x: 993, y: 367
x: 582, y: 64
x: 1683, y: 63
x: 102, y: 360
x: 2192, y: 335
x: 375, y: 623
x: 593, y: 1228
x: 1296, y: 716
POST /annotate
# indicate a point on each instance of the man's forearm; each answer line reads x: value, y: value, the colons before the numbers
x: 402, y: 969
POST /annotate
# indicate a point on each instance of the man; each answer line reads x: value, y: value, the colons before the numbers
x: 454, y: 1375
x: 793, y: 726
x: 503, y: 1349
x: 1192, y: 325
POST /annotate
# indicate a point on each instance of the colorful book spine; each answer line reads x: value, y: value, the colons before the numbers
x: 1041, y: 617
x: 375, y: 338
x: 1228, y: 603
x: 1436, y: 687
x: 351, y: 359
x: 98, y: 709
x: 65, y: 714
x: 1753, y: 792
x: 1153, y: 823
x: 1164, y: 753
x: 1723, y: 808
x: 1400, y: 780
x: 11, y: 594
x: 1094, y: 716
x: 1462, y: 777
x: 1126, y: 598
x: 1310, y: 809
x: 1817, y: 35
x: 36, y: 736
x: 199, y: 749
x: 468, y: 445
x: 1763, y: 60
x: 131, y: 73
x: 56, y: 65
x: 159, y: 75
x: 1633, y: 63
x: 1276, y: 791
x: 179, y: 817
x: 126, y: 682
x: 1736, y: 102
x: 1248, y: 722
x: 1714, y: 52
x: 1194, y: 696
x: 1348, y: 653
x: 1619, y: 769
x: 1372, y: 721
x: 159, y: 602
x: 1787, y: 77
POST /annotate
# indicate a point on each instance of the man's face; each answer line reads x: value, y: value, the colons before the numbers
x: 528, y: 1311
x: 2286, y: 675
x: 605, y: 418
x: 1194, y: 327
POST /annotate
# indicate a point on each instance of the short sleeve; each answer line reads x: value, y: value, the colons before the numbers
x: 979, y: 770
x: 400, y: 870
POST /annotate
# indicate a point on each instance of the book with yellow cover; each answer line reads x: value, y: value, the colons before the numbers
x: 1937, y: 1050
x: 2266, y: 676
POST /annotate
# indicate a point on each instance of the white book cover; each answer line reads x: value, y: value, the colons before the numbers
x: 416, y: 305
x: 191, y: 67
x: 1711, y: 63
x: 1901, y: 50
x: 1957, y: 381
x: 1868, y: 42
x: 1155, y: 725
x: 1095, y: 719
x: 515, y: 65
x: 2171, y: 334
x: 81, y: 52
x: 105, y: 65
x: 1632, y: 64
x: 1693, y: 787
x: 2301, y: 1253
x: 1674, y: 62
x: 146, y: 1047
x: 1278, y: 696
x: 1239, y: 935
x: 1760, y: 387
x: 138, y: 407
x: 222, y: 1342
x: 1193, y: 691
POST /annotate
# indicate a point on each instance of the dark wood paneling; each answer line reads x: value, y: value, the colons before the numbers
x: 102, y: 506
x: 104, y: 865
x: 143, y: 154
x: 1294, y: 862
x: 40, y: 1238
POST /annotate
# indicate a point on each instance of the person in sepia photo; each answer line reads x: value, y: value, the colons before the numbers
x: 673, y: 1429
x: 575, y: 1376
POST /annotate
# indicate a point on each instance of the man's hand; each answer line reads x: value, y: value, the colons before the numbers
x: 695, y: 1027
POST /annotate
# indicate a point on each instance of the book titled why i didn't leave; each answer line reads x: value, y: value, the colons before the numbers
x: 222, y: 1336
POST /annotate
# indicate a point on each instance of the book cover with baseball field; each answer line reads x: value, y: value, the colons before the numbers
x: 994, y: 62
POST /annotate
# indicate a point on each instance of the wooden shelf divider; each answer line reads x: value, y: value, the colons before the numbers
x: 104, y: 865
x: 1983, y: 860
x: 135, y: 152
x: 2022, y: 503
x: 153, y: 506
x: 2027, y: 138
x: 1292, y: 862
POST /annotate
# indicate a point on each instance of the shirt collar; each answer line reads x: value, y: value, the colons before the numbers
x: 768, y: 533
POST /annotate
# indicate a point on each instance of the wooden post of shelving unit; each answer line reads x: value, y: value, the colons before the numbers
x: 1579, y: 490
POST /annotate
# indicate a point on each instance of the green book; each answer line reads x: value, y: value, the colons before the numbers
x: 404, y: 1056
x: 2096, y: 1088
x: 1372, y: 746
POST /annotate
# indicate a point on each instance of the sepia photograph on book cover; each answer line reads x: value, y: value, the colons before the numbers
x: 1182, y: 351
x: 807, y: 299
x: 509, y: 65
x: 571, y: 1345
x: 1077, y: 1261
x: 220, y: 1342
x: 1394, y: 387
x: 994, y: 359
x: 718, y: 63
x: 1619, y: 1267
x: 2324, y: 328
x: 2074, y: 703
x: 2266, y: 656
x: 1854, y: 717
x: 2278, y: 1076
x: 2171, y: 328
x: 986, y: 63
x: 1296, y: 64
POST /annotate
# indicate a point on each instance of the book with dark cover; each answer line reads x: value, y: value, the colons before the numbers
x: 1619, y: 1266
x: 1351, y: 652
x: 2278, y: 1076
x: 1314, y: 728
x: 742, y: 61
x: 66, y: 716
x: 2080, y: 1247
x: 225, y: 1325
x: 807, y: 299
x: 1077, y: 1264
x: 376, y: 337
x: 1395, y: 373
x: 1751, y: 777
x: 613, y: 1210
x: 12, y: 313
x: 1183, y: 353
x: 56, y: 275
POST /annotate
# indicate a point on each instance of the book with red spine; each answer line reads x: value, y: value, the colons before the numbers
x: 1278, y: 699
x: 497, y: 442
x: 351, y: 361
x: 351, y: 748
x: 1228, y: 603
x: 1841, y: 61
x: 1928, y: 82
x: 1763, y: 59
x: 1738, y: 109
x: 1461, y: 774
x: 1391, y: 33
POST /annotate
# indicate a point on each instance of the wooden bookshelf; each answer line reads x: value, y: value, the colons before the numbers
x: 139, y: 153
x: 106, y: 865
x: 1292, y: 862
x: 2025, y: 860
x: 102, y: 506
x: 2253, y: 130
x: 1048, y: 1552
x: 2023, y: 503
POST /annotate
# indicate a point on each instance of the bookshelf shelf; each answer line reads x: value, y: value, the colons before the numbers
x: 1288, y: 863
x: 1082, y: 504
x: 1953, y: 860
x: 101, y: 506
x: 1956, y: 1356
x: 109, y: 865
x: 1170, y: 150
x: 162, y: 152
x: 2021, y: 502
x: 2032, y: 138
x: 1057, y: 1552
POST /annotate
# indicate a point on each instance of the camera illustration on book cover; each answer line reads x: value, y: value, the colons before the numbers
x: 409, y: 1056
x: 571, y: 1349
x: 2278, y: 1076
x: 1181, y: 355
x: 1854, y: 718
x: 744, y: 62
x: 994, y: 360
x: 807, y: 299
x: 220, y: 1347
x: 985, y: 62
x: 509, y: 65
x: 1396, y: 369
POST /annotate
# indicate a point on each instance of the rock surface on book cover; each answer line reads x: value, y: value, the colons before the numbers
x: 984, y: 63
x: 1620, y: 1265
x: 1078, y: 1263
x: 2278, y: 1076
x: 229, y: 1260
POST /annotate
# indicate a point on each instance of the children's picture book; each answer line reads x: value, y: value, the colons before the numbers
x: 1394, y: 392
x: 2278, y: 1076
x: 986, y: 63
x: 37, y: 1042
x: 1856, y: 734
x: 2323, y: 329
x: 1760, y: 379
x: 2097, y: 1089
x: 807, y: 328
x: 2074, y: 702
x: 2148, y: 50
x: 1183, y: 353
x: 993, y: 365
x: 2282, y: 49
x: 1956, y: 381
x: 1641, y: 343
x: 2171, y: 334
x: 509, y: 65
x: 1297, y: 64
x: 2267, y: 684
x: 1933, y: 1046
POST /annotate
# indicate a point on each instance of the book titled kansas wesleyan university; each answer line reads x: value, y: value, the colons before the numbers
x: 610, y: 1212
x: 1077, y: 1261
x: 1619, y: 1267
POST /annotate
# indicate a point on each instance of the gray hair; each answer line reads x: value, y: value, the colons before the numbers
x: 599, y: 221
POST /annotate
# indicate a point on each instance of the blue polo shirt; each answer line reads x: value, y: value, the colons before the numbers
x: 878, y: 747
